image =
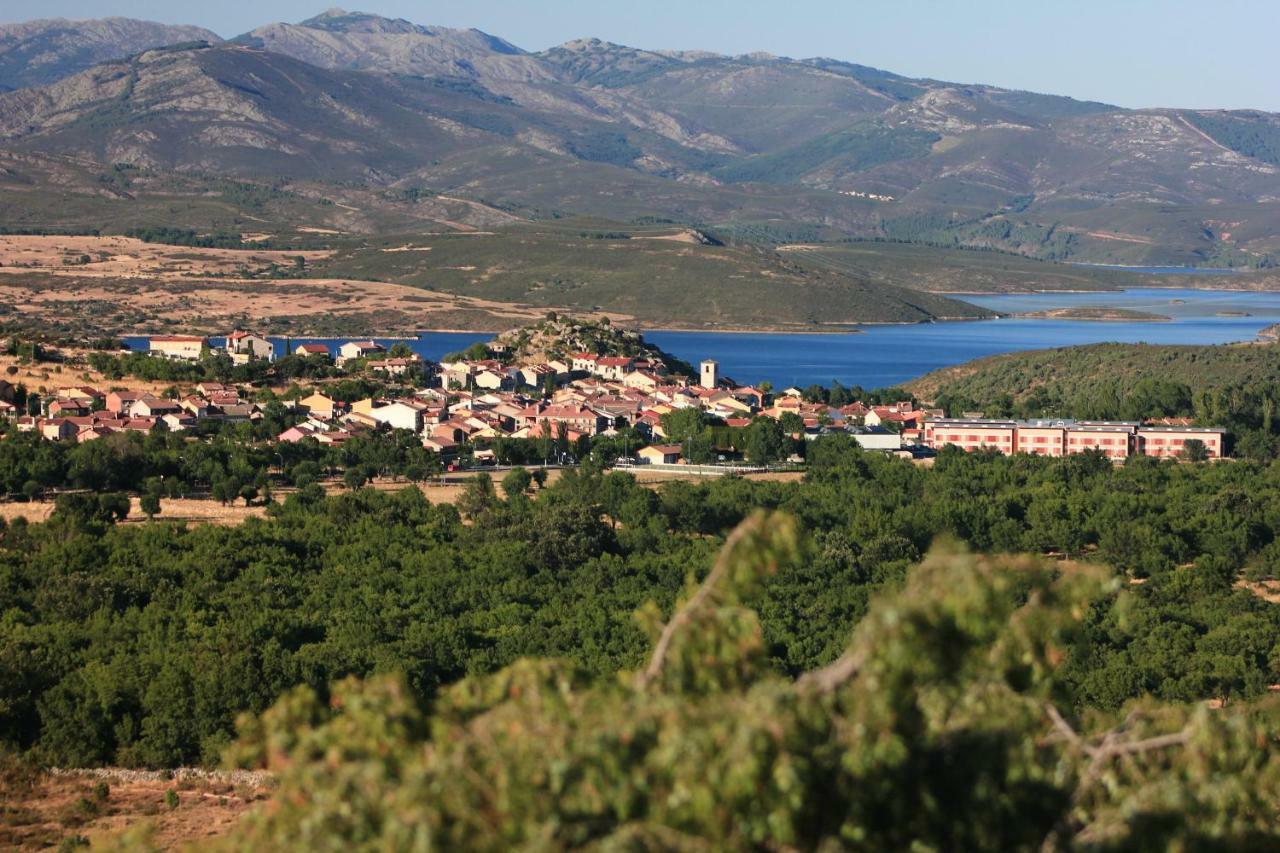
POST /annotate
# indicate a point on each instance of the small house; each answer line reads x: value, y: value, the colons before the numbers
x: 660, y: 454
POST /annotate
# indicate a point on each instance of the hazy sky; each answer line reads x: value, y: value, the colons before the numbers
x: 1136, y: 53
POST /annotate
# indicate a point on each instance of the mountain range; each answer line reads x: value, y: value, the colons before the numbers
x: 762, y: 147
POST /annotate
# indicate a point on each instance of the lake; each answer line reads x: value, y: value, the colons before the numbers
x: 879, y: 356
x: 887, y: 355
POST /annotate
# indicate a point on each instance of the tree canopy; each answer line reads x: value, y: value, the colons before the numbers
x: 939, y: 727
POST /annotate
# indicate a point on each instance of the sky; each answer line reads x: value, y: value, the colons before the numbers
x: 1134, y: 53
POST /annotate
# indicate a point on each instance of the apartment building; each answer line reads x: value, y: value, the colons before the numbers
x: 972, y: 434
x: 1165, y: 441
x: 1116, y: 439
x: 1041, y: 438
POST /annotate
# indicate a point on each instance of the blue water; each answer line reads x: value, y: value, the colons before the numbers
x: 886, y: 355
x: 880, y: 356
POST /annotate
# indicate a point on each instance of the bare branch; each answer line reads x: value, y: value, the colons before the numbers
x: 1060, y: 723
x: 1147, y: 745
x: 831, y: 676
x: 686, y: 613
x: 1112, y: 745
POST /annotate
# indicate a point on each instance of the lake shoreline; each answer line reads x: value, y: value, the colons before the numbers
x: 1271, y: 285
x: 886, y: 355
x: 1094, y: 314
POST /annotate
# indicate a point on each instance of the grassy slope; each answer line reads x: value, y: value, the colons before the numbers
x: 961, y: 271
x: 658, y: 282
x: 79, y: 196
x: 1068, y: 372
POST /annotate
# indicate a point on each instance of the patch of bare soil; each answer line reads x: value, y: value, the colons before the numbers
x: 197, y: 510
x: 214, y: 306
x: 657, y: 478
x: 47, y: 376
x: 185, y: 808
x: 128, y: 257
x: 192, y: 510
x: 1266, y: 590
x: 126, y: 285
x: 678, y: 237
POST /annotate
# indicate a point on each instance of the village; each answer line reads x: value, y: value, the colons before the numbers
x: 458, y: 408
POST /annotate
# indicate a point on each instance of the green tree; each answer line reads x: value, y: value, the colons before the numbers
x: 680, y: 425
x: 765, y: 441
x: 356, y: 476
x: 1194, y: 450
x: 478, y: 496
x: 149, y: 503
x: 792, y: 423
x: 516, y: 483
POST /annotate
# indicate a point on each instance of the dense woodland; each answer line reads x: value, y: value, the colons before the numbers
x: 944, y: 725
x: 140, y: 644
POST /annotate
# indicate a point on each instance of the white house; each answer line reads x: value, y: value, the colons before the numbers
x: 411, y: 366
x: 352, y: 350
x: 492, y: 379
x: 243, y: 346
x: 400, y: 414
x: 583, y: 362
x: 877, y: 438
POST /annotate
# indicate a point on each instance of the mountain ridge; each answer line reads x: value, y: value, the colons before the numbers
x: 867, y: 153
x: 46, y: 50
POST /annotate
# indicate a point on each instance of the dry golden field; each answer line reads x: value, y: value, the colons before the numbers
x: 41, y: 810
x: 122, y: 285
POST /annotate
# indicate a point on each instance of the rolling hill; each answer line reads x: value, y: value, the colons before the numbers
x: 1072, y: 379
x: 652, y: 276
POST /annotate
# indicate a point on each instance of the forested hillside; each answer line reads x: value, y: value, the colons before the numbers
x: 140, y: 644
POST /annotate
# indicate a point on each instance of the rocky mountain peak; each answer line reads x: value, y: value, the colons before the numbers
x: 35, y: 53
